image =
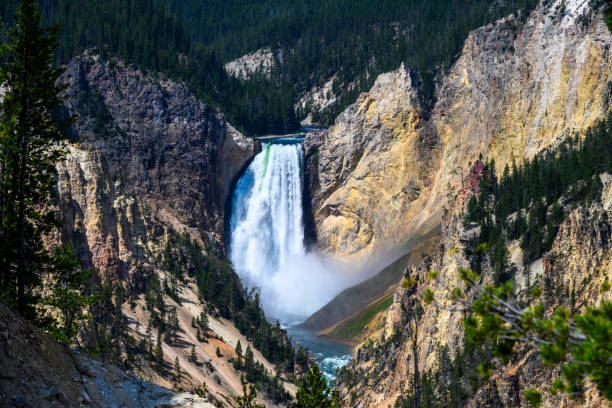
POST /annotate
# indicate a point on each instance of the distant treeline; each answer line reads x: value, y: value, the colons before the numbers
x: 354, y: 39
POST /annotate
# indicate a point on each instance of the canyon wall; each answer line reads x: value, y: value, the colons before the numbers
x: 147, y: 163
x: 146, y: 154
x: 570, y: 274
x: 387, y: 172
x: 383, y: 172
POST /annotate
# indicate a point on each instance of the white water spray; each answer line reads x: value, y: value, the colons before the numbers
x: 267, y: 237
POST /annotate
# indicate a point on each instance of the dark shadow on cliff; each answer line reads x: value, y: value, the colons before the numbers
x: 229, y: 201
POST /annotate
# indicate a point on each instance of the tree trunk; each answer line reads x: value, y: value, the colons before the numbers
x: 21, y: 255
x: 415, y: 365
x: 22, y: 127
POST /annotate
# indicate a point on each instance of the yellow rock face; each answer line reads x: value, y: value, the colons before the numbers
x: 378, y: 149
x: 384, y: 172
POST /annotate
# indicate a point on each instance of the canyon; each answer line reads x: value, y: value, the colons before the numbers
x: 148, y: 162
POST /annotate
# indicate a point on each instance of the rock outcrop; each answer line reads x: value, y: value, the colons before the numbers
x: 369, y: 172
x: 146, y: 149
x: 260, y: 62
x: 39, y: 372
x: 385, y: 169
x: 318, y: 98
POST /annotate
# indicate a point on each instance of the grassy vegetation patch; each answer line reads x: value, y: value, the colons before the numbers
x: 352, y: 329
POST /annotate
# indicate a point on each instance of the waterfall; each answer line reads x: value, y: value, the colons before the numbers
x: 267, y: 235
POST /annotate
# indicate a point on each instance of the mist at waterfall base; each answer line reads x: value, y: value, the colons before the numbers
x: 267, y: 246
x: 268, y: 252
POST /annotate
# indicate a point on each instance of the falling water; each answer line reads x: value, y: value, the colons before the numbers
x: 267, y: 237
x: 267, y: 247
x: 267, y: 230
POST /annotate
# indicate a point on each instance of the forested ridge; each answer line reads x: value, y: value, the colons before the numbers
x: 150, y: 36
x: 354, y: 40
x: 530, y: 201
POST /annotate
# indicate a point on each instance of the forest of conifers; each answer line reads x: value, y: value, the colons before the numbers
x: 356, y: 40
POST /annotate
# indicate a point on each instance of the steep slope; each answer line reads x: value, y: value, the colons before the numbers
x: 39, y: 372
x: 383, y: 172
x: 146, y: 148
x: 570, y: 274
x: 355, y: 299
x: 142, y: 194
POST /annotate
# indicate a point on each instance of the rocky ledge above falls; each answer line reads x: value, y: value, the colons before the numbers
x: 145, y: 147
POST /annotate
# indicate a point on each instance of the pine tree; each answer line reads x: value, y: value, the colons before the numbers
x: 119, y: 320
x: 159, y: 353
x: 248, y: 399
x: 249, y: 364
x: 31, y: 142
x: 314, y: 392
x: 203, y: 322
x: 239, y: 353
x: 177, y: 369
x: 148, y: 339
x: 67, y: 295
x: 193, y: 357
x: 173, y: 326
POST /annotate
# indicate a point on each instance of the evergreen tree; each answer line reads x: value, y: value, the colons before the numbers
x: 248, y: 399
x: 173, y: 326
x: 177, y: 369
x: 149, y: 344
x: 203, y: 322
x: 159, y: 353
x: 119, y: 320
x: 249, y: 365
x: 238, y: 349
x: 314, y: 392
x: 238, y: 362
x: 67, y: 295
x: 31, y: 142
x: 193, y: 357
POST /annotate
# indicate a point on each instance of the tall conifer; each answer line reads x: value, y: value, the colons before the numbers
x: 31, y: 136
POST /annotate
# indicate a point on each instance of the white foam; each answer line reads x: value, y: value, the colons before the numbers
x: 331, y: 364
x: 267, y: 237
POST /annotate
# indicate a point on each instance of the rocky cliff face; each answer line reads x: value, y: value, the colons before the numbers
x: 260, y: 62
x: 370, y: 170
x: 148, y: 162
x: 384, y: 171
x: 571, y: 274
x: 147, y: 155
